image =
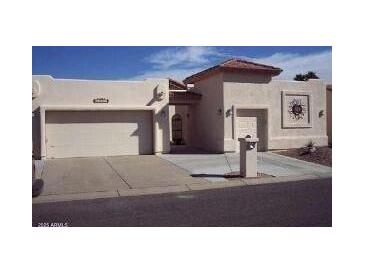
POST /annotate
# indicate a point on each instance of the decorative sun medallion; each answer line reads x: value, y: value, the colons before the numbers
x: 296, y: 109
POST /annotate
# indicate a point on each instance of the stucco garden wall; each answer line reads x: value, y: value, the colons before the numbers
x: 256, y: 90
x: 329, y: 115
x: 73, y: 94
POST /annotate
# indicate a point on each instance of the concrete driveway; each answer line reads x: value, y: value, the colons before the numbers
x: 104, y: 177
x: 212, y: 167
x: 110, y: 174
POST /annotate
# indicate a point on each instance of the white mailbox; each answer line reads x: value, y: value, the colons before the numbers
x: 248, y: 156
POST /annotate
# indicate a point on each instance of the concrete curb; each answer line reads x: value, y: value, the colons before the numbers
x: 74, y: 197
x: 175, y: 189
x: 38, y: 166
x: 152, y: 190
x: 210, y: 185
x: 307, y: 163
x: 283, y: 179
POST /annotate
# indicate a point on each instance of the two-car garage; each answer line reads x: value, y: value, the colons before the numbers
x: 85, y: 133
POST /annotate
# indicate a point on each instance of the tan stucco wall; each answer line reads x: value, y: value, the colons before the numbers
x: 329, y: 115
x: 208, y: 124
x: 76, y: 94
x: 255, y: 90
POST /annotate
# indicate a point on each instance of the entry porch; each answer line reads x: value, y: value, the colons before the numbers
x: 181, y: 119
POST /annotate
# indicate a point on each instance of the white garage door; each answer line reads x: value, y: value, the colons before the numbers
x: 252, y: 122
x: 98, y: 133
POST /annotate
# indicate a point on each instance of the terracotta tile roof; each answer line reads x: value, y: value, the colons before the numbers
x: 176, y: 85
x: 235, y: 65
x: 184, y: 96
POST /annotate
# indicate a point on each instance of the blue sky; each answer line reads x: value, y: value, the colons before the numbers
x: 135, y: 63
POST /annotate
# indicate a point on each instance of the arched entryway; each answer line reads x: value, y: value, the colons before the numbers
x: 177, y: 129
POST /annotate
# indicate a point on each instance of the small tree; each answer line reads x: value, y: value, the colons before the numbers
x: 300, y: 77
x: 311, y: 75
x: 306, y: 77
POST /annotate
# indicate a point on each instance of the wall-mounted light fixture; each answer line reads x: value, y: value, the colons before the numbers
x: 219, y: 111
x: 228, y: 112
x: 321, y: 113
x: 160, y: 93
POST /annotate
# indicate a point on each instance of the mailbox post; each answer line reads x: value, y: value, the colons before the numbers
x: 248, y: 156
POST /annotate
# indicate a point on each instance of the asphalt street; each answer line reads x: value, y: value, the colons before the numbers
x: 301, y: 203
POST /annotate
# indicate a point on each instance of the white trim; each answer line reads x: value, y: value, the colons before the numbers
x: 95, y: 107
x: 97, y: 80
x: 299, y: 82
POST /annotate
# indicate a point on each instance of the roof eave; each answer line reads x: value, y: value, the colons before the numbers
x: 177, y: 83
x: 204, y: 74
x: 272, y: 72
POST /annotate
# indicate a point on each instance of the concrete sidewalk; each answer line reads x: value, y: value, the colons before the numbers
x: 212, y: 167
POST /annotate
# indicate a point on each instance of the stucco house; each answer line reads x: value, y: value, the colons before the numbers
x: 210, y: 110
x: 329, y: 113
